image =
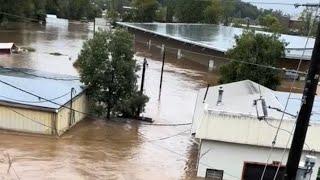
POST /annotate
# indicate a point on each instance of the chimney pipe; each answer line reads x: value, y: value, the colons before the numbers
x: 219, y: 101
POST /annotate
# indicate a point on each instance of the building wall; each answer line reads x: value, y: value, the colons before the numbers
x: 63, y: 116
x: 230, y: 157
x: 203, y: 59
x: 249, y: 130
x: 26, y: 120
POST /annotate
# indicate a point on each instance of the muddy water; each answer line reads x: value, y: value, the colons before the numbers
x: 99, y: 149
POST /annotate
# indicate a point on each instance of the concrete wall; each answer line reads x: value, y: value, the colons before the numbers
x: 63, y: 116
x: 230, y: 157
x: 26, y: 120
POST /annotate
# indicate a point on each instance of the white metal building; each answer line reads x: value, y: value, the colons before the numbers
x: 232, y: 136
x: 7, y: 48
x: 23, y: 112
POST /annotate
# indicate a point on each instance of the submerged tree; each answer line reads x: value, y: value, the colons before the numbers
x: 254, y: 48
x: 108, y: 68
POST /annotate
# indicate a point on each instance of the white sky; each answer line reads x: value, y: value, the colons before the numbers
x: 285, y: 8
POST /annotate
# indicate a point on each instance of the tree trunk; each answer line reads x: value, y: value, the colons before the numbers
x: 108, y: 112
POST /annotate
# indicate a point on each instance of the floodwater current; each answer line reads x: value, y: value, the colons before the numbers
x: 95, y: 148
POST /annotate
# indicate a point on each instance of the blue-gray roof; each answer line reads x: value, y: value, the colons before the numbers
x: 220, y: 38
x: 47, y: 85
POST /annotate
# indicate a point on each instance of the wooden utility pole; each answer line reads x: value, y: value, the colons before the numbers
x: 305, y: 112
x: 144, y: 66
x: 161, y: 76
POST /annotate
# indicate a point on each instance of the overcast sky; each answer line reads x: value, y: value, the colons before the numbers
x: 285, y: 8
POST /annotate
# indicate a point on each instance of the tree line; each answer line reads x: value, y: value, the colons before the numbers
x: 231, y: 12
x: 37, y: 9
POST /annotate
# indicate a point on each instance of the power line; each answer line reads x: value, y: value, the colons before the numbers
x: 75, y: 110
x: 39, y: 76
x: 232, y: 60
x: 286, y: 105
x: 39, y: 101
x: 26, y: 117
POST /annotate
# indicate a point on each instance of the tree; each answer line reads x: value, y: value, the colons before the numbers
x: 145, y: 10
x: 212, y: 13
x: 170, y: 6
x: 190, y: 11
x: 108, y: 69
x: 271, y: 22
x: 306, y: 19
x: 255, y: 48
x: 228, y: 9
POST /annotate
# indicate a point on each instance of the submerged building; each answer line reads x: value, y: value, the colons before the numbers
x: 213, y: 41
x: 7, y: 48
x: 236, y: 124
x: 43, y: 103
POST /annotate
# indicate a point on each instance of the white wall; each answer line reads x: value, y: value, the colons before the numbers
x: 25, y: 120
x: 230, y: 158
x: 80, y: 103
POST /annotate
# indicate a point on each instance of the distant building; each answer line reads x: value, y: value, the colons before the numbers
x: 7, y: 48
x: 295, y: 23
x: 214, y: 40
x: 236, y: 131
x: 58, y: 112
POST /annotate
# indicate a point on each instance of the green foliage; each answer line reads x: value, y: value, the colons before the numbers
x: 113, y: 16
x: 145, y: 10
x: 245, y: 10
x: 170, y: 7
x: 255, y: 48
x: 108, y: 69
x: 212, y: 13
x: 228, y: 9
x: 190, y: 11
x: 129, y: 107
x: 271, y: 22
x: 307, y: 18
x: 37, y: 9
x: 161, y: 14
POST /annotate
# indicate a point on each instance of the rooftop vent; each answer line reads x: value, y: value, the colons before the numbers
x: 219, y: 101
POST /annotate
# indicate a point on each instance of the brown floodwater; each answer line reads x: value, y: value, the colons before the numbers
x: 95, y: 148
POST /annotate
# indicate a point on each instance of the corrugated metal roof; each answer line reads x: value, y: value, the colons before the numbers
x: 6, y: 45
x: 235, y: 119
x: 220, y: 38
x: 47, y: 85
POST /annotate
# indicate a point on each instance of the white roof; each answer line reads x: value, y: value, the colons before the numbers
x: 55, y: 87
x: 235, y: 119
x: 237, y: 98
x: 6, y: 45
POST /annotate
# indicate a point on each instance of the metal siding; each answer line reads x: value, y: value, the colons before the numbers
x: 248, y: 130
x: 34, y: 121
x: 79, y: 104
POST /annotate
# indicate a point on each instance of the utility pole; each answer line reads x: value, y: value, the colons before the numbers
x: 144, y: 66
x: 94, y: 26
x: 305, y: 111
x: 161, y: 76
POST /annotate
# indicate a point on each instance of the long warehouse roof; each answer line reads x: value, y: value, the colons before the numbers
x: 54, y: 87
x: 219, y: 38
